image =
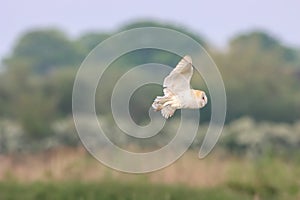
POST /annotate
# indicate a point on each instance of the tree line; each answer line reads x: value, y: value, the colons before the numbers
x: 261, y: 76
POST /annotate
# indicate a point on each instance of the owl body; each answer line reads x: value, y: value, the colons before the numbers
x: 177, y: 91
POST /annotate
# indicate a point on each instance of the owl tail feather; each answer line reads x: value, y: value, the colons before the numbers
x: 159, y: 102
x: 162, y: 104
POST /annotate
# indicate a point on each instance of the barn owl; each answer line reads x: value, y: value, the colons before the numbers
x: 177, y: 91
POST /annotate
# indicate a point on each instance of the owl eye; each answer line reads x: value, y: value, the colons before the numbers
x: 203, y: 98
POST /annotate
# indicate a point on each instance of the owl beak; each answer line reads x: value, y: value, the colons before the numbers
x: 204, y: 102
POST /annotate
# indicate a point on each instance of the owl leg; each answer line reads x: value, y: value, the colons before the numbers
x: 168, y: 111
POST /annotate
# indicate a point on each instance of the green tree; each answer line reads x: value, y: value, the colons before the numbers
x: 91, y: 40
x: 259, y: 75
x: 140, y: 24
x: 44, y: 50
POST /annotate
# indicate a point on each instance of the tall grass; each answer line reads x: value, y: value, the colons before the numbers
x: 111, y: 190
x: 73, y: 174
x: 266, y: 177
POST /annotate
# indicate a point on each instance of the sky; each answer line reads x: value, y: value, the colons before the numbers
x: 217, y: 21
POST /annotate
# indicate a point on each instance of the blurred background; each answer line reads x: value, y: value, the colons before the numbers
x: 256, y: 46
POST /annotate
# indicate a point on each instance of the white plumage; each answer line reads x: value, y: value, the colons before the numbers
x: 177, y: 91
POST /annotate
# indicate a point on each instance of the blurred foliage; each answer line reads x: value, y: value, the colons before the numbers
x: 111, y: 190
x: 267, y: 178
x: 243, y: 137
x: 45, y: 50
x: 90, y: 40
x: 181, y: 29
x: 261, y: 76
x: 247, y: 137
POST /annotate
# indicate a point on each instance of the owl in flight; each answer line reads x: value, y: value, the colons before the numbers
x: 177, y: 91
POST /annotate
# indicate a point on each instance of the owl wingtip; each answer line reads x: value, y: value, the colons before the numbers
x: 188, y: 58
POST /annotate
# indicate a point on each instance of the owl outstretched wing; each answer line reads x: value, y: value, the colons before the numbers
x: 180, y: 77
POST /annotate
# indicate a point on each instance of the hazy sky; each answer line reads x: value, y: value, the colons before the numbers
x: 216, y: 20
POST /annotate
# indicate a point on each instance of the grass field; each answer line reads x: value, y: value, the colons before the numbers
x: 111, y: 191
x: 74, y: 174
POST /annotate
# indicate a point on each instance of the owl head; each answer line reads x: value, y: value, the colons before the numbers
x: 201, y: 98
